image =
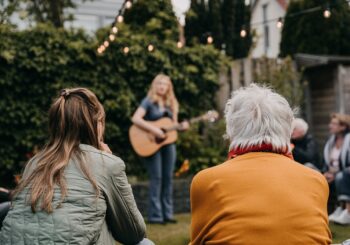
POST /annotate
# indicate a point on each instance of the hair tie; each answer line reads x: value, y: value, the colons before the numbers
x: 64, y: 93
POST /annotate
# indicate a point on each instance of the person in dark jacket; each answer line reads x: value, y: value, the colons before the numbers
x: 305, y: 148
x: 4, y: 204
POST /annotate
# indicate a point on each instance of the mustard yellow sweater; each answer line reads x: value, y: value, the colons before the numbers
x: 259, y: 198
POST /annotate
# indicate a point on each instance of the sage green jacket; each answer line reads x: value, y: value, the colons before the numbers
x: 82, y: 218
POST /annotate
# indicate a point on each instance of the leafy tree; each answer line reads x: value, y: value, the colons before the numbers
x: 7, y: 8
x: 195, y: 27
x: 216, y: 22
x: 41, y: 11
x: 35, y: 64
x: 312, y: 33
x: 155, y: 17
x: 224, y: 20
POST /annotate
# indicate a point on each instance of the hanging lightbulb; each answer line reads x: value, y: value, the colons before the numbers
x: 126, y: 50
x: 114, y: 29
x: 179, y: 44
x: 327, y: 13
x: 128, y: 4
x: 111, y: 37
x: 279, y: 23
x: 120, y: 18
x: 102, y: 48
x: 150, y: 47
x: 243, y: 33
x: 106, y: 44
x: 210, y: 39
x: 99, y: 50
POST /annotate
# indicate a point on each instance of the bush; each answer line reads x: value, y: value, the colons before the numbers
x: 35, y: 64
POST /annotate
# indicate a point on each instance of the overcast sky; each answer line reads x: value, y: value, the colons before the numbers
x: 180, y: 7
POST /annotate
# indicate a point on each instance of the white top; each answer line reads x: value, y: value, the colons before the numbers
x: 335, y: 154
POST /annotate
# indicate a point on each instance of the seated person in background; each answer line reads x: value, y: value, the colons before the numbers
x: 305, y: 148
x: 260, y: 195
x: 337, y: 166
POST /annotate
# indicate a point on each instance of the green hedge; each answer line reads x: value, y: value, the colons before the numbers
x: 35, y: 64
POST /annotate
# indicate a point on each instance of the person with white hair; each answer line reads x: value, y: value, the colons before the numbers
x: 260, y: 195
x: 304, y: 146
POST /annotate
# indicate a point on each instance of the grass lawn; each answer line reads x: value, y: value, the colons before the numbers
x: 178, y: 234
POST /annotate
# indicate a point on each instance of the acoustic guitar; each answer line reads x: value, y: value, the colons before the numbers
x: 146, y: 144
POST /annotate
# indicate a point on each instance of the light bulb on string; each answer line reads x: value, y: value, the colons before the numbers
x: 150, y: 47
x: 106, y: 44
x: 327, y: 13
x: 243, y: 33
x: 210, y: 39
x: 179, y: 44
x: 120, y: 18
x: 128, y: 4
x: 279, y: 23
x: 126, y: 50
x: 99, y: 50
x: 111, y: 37
x: 102, y: 48
x: 114, y: 29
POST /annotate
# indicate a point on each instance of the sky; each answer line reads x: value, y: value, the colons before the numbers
x: 180, y: 7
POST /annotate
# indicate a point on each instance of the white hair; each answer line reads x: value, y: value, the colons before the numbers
x: 299, y: 123
x: 256, y: 115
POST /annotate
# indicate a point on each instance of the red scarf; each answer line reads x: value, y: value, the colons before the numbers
x: 256, y: 148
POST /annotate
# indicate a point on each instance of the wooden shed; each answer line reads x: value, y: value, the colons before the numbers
x: 327, y: 91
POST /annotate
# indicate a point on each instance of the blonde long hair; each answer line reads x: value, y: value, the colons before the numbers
x: 170, y: 98
x: 73, y: 119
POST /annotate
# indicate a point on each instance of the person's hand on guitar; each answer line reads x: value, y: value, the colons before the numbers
x: 158, y: 133
x: 184, y: 125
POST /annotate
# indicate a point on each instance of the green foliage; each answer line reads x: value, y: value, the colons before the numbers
x: 35, y: 64
x: 157, y: 18
x: 283, y: 77
x: 224, y: 21
x: 203, y: 145
x: 312, y: 33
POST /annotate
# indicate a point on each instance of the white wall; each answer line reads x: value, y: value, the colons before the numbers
x: 89, y: 15
x: 274, y: 11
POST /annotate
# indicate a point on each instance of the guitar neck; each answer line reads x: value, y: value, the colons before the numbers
x: 178, y: 126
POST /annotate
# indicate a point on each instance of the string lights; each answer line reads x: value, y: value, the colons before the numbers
x: 179, y: 44
x: 279, y: 23
x: 326, y: 10
x: 114, y: 30
x: 150, y: 47
x: 126, y: 50
x: 243, y: 32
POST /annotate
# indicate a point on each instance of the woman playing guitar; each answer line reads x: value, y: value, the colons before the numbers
x: 160, y: 102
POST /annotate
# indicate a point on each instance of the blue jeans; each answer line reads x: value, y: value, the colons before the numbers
x: 342, y: 186
x: 160, y: 167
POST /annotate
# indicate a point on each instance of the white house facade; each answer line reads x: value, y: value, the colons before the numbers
x: 264, y: 18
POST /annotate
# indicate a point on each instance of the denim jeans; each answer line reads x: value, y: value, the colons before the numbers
x: 160, y: 167
x: 342, y: 186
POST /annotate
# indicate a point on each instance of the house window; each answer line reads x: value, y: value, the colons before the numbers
x: 266, y: 29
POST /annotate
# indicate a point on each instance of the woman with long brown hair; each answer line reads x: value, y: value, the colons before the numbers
x: 160, y: 102
x: 74, y: 191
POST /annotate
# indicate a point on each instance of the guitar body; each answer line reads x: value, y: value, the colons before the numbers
x: 146, y: 144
